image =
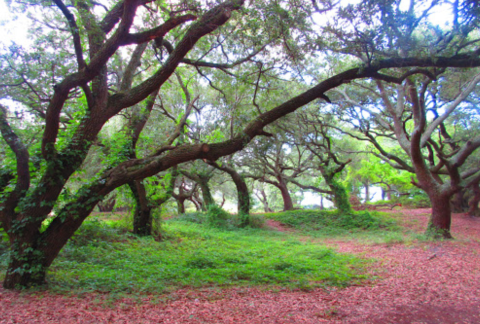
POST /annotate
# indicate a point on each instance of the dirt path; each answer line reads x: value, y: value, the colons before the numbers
x: 433, y: 282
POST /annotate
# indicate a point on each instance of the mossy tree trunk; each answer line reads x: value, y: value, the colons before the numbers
x: 243, y: 196
x: 142, y: 217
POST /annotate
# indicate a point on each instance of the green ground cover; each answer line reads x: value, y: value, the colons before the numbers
x: 104, y: 256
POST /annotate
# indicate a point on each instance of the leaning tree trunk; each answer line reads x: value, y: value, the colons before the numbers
x: 32, y: 252
x: 287, y: 199
x: 142, y: 217
x: 197, y: 204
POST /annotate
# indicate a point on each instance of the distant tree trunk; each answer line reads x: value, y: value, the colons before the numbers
x: 243, y: 197
x: 223, y: 200
x: 107, y: 205
x: 197, y: 204
x: 339, y: 193
x: 460, y: 202
x: 473, y: 203
x: 367, y: 191
x: 263, y: 198
x: 206, y: 195
x: 321, y: 203
x: 287, y: 199
x: 142, y: 220
x: 180, y: 205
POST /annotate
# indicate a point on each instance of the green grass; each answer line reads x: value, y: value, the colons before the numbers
x: 102, y: 256
x: 366, y: 226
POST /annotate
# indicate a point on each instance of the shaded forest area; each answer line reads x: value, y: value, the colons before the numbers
x: 186, y: 132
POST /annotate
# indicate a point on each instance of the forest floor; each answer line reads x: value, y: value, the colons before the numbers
x: 414, y: 281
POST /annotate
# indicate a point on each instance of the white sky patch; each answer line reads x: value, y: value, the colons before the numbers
x: 14, y: 28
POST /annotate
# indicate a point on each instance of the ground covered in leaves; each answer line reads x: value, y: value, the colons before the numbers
x: 413, y: 281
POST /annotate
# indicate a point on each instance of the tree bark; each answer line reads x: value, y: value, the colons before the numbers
x: 206, y: 195
x: 367, y: 191
x: 180, y: 205
x: 440, y: 220
x: 460, y: 202
x: 473, y: 203
x: 142, y: 217
x: 263, y: 198
x: 243, y: 197
x: 107, y: 205
x: 26, y: 267
x: 287, y: 199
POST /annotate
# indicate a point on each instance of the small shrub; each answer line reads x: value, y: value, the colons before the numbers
x: 217, y: 217
x: 332, y: 221
x: 257, y: 220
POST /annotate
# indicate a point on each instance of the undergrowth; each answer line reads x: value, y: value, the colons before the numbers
x: 104, y: 257
x: 219, y: 218
x: 376, y: 227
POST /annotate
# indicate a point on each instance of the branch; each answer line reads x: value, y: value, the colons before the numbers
x: 451, y: 107
x: 157, y: 32
x: 21, y: 153
x: 313, y: 188
x: 74, y: 30
x: 209, y: 22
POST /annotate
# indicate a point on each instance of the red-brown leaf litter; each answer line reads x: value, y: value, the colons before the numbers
x: 418, y: 282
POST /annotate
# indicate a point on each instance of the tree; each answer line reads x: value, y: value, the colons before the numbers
x: 243, y: 195
x: 86, y: 95
x: 434, y: 156
x: 314, y: 133
x: 272, y: 163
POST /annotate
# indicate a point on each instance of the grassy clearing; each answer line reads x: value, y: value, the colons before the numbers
x: 104, y: 256
x: 365, y: 226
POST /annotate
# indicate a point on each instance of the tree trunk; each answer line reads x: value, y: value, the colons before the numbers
x: 367, y: 192
x: 263, y: 199
x: 287, y: 199
x: 181, y: 206
x: 243, y: 197
x: 197, y: 204
x: 26, y: 267
x: 441, y: 218
x: 32, y: 252
x: 460, y: 202
x: 340, y: 196
x: 473, y: 203
x: 107, y: 205
x: 206, y: 194
x: 142, y: 218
